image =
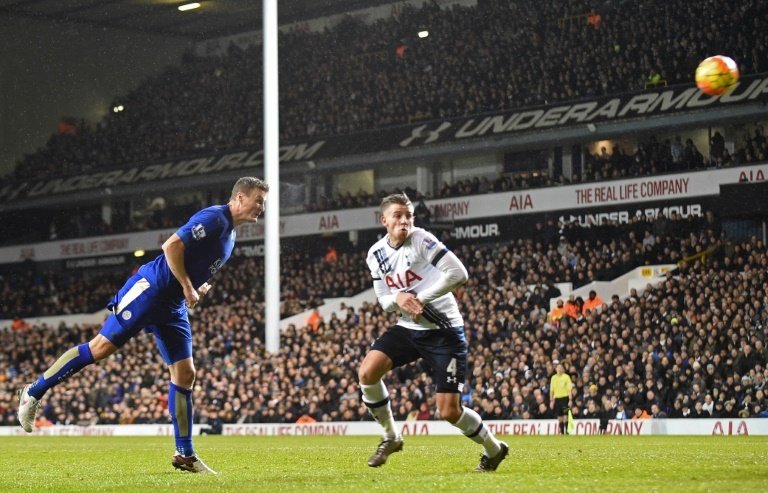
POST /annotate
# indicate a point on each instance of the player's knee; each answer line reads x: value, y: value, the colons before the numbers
x: 365, y: 376
x: 101, y: 347
x: 185, y: 376
x: 450, y: 413
x: 188, y: 379
x: 369, y: 374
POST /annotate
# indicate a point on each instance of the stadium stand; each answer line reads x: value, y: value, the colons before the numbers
x: 521, y: 54
x: 306, y: 282
x: 651, y: 158
x: 696, y: 340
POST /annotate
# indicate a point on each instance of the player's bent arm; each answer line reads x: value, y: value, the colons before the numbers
x: 387, y: 300
x: 454, y: 275
x: 174, y: 255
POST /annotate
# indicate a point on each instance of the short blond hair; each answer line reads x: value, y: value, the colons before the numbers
x: 396, y: 198
x: 247, y: 184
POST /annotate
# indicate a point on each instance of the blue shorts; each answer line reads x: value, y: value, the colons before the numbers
x: 137, y: 306
x: 444, y: 351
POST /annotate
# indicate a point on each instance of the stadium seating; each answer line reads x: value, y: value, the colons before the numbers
x: 698, y: 337
x: 352, y: 78
x: 305, y: 282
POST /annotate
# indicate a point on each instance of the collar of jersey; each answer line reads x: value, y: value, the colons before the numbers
x: 228, y: 215
x: 401, y: 244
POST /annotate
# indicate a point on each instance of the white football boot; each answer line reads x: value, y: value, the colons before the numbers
x: 191, y: 464
x: 28, y: 407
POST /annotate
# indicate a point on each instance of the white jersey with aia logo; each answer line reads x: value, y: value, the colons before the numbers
x: 412, y: 267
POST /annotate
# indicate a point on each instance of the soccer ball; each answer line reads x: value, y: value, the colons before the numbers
x: 717, y: 75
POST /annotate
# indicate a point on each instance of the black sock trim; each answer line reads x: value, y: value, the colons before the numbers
x: 374, y: 405
x: 477, y: 431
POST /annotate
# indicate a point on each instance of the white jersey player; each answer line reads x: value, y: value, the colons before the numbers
x: 413, y: 272
x: 412, y: 268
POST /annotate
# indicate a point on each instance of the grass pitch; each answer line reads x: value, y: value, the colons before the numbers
x: 435, y: 464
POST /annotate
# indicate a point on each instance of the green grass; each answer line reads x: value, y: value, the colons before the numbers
x: 436, y: 464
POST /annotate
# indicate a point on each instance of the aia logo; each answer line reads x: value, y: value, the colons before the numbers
x: 397, y: 282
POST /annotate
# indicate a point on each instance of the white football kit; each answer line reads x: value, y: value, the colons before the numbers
x: 423, y: 266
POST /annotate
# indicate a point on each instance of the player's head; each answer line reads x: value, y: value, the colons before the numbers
x: 247, y: 184
x: 248, y: 199
x: 396, y: 198
x: 397, y: 216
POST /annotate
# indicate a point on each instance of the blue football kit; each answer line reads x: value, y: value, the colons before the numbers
x: 153, y: 298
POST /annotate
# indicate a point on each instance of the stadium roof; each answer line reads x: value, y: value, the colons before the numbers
x: 213, y: 19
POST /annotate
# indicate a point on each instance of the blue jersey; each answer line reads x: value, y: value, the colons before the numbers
x: 208, y: 237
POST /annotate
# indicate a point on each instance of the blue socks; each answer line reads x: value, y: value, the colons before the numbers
x: 68, y: 364
x: 180, y: 407
x: 77, y: 358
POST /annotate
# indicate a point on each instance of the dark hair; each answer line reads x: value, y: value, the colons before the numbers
x: 396, y: 198
x: 247, y: 184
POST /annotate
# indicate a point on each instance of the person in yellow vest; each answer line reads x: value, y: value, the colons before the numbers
x: 560, y: 395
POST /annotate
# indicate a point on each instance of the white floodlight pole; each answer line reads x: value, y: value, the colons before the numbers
x: 272, y: 177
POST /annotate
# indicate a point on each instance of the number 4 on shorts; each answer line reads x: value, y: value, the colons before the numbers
x: 451, y: 370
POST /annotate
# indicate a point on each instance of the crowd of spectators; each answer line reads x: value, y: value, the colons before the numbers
x: 25, y: 293
x: 493, y: 56
x: 652, y: 157
x: 305, y: 280
x: 577, y: 255
x: 690, y: 346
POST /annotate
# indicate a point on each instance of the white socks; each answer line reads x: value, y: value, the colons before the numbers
x: 471, y: 424
x: 376, y: 398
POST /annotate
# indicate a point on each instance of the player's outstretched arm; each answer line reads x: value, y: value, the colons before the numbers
x: 454, y: 274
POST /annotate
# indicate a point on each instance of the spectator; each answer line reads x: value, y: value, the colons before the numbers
x: 593, y: 303
x: 213, y: 424
x: 558, y: 312
x: 641, y: 413
x: 314, y: 319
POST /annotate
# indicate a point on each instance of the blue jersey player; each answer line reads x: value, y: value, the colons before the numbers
x: 156, y: 298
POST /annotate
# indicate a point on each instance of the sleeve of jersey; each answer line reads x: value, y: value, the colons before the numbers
x: 383, y: 293
x: 454, y: 274
x: 385, y: 296
x: 204, y: 224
